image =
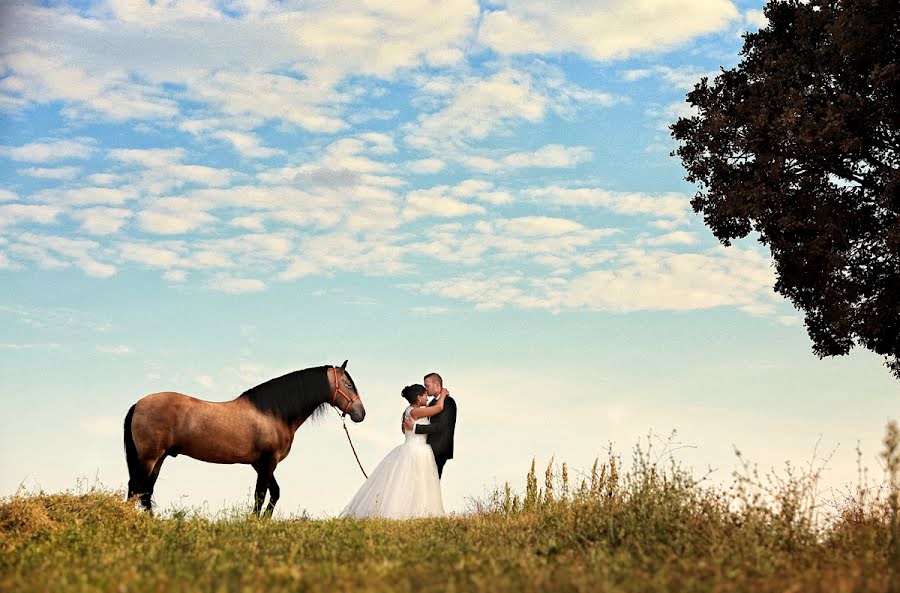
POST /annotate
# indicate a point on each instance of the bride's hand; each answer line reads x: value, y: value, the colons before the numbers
x: 444, y: 392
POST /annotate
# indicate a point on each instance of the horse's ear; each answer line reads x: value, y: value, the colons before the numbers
x: 344, y: 366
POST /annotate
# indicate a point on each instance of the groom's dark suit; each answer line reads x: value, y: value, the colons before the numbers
x: 440, y: 432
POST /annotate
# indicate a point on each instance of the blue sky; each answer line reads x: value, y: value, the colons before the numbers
x: 198, y: 196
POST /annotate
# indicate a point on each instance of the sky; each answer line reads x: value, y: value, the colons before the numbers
x: 200, y: 195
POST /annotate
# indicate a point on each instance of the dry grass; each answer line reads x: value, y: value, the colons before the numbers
x: 653, y: 527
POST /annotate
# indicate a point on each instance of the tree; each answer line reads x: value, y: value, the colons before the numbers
x: 800, y: 143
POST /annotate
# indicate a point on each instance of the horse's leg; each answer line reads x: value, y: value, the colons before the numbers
x: 138, y: 478
x: 150, y: 482
x: 262, y: 484
x: 264, y: 468
x: 135, y: 485
x: 139, y: 466
x: 274, y: 495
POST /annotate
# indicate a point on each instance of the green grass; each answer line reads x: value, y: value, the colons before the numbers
x: 653, y: 527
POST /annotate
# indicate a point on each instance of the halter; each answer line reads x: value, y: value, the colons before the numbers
x: 337, y: 390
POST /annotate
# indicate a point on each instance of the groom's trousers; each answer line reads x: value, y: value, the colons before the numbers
x: 440, y: 461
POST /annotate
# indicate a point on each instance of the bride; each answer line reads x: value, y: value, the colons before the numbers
x: 405, y: 484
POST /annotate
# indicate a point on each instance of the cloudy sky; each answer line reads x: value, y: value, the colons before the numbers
x: 200, y: 195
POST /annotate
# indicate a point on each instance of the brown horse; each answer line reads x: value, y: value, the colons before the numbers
x: 256, y: 428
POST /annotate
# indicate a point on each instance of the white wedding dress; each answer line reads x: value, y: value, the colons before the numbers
x: 405, y: 485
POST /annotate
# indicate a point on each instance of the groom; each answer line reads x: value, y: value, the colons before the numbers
x: 443, y: 424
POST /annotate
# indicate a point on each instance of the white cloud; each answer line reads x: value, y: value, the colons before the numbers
x: 173, y: 222
x: 347, y: 200
x: 366, y: 114
x: 665, y: 225
x: 102, y: 221
x: 57, y: 317
x: 633, y: 280
x: 373, y: 254
x: 555, y: 242
x: 348, y: 153
x: 247, y: 144
x: 45, y: 73
x: 497, y: 198
x: 150, y: 158
x: 130, y: 11
x: 61, y: 173
x: 299, y: 267
x: 755, y: 19
x: 670, y: 205
x: 431, y: 310
x: 159, y: 170
x: 481, y: 190
x: 675, y: 282
x: 473, y: 108
x: 482, y: 164
x: 601, y: 31
x: 265, y: 96
x: 379, y: 143
x: 278, y: 202
x: 251, y: 223
x: 424, y: 166
x: 683, y: 78
x: 470, y: 188
x: 7, y: 195
x: 251, y: 251
x: 8, y: 346
x: 552, y: 156
x: 486, y: 293
x: 152, y: 256
x: 344, y: 163
x: 176, y: 276
x: 209, y: 259
x: 13, y: 214
x: 231, y: 285
x: 483, y: 105
x: 51, y: 151
x: 664, y: 116
x: 789, y: 320
x: 106, y: 178
x: 120, y: 349
x: 673, y: 238
x: 540, y: 226
x: 60, y: 252
x: 84, y: 196
x: 285, y: 61
x: 435, y: 202
x: 185, y: 174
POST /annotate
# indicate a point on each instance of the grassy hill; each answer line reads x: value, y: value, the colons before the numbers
x: 653, y: 527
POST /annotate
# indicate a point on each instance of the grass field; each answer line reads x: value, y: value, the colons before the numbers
x: 653, y: 527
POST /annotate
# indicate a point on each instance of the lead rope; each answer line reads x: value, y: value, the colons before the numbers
x: 344, y: 421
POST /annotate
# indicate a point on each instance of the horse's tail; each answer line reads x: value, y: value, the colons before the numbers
x: 131, y: 454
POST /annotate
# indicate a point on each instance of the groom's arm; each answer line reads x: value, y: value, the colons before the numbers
x: 439, y: 422
x: 429, y: 428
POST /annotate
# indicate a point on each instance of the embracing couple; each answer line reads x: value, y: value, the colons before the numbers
x: 406, y: 484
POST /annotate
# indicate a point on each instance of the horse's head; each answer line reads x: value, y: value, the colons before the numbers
x: 345, y: 397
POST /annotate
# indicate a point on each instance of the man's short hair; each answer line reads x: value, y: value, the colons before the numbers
x: 436, y: 377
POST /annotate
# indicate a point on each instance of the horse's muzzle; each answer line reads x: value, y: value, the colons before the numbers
x: 357, y: 412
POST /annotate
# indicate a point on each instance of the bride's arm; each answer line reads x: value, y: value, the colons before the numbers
x: 427, y: 411
x: 404, y: 418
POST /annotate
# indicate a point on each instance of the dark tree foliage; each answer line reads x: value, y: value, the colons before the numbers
x: 800, y: 143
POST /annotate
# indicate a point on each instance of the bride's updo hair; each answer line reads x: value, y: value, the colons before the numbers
x: 412, y: 392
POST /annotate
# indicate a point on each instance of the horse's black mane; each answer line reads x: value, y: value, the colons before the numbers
x: 295, y: 396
